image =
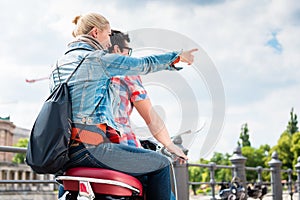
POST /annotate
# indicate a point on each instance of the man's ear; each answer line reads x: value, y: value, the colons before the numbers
x: 117, y: 49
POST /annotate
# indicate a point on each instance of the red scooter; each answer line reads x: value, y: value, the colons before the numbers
x: 84, y: 183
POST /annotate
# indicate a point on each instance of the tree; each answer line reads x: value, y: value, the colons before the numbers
x: 244, y: 136
x: 20, y: 157
x: 283, y: 148
x: 288, y: 147
x: 222, y: 175
x: 295, y: 147
x: 255, y: 157
x: 198, y: 174
x: 292, y: 124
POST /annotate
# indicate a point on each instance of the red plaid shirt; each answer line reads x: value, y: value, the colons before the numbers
x: 130, y: 89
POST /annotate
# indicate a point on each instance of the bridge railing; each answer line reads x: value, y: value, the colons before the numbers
x: 238, y: 169
x: 21, y: 177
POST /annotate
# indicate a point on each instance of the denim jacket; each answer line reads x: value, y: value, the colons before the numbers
x: 90, y: 84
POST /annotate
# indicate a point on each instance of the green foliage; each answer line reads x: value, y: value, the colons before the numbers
x: 283, y: 149
x: 292, y: 124
x: 20, y: 157
x: 295, y: 147
x: 204, y: 191
x: 195, y: 176
x: 198, y: 174
x: 220, y: 159
x: 287, y: 148
x: 244, y: 136
x: 201, y: 174
x: 255, y: 157
x: 222, y: 175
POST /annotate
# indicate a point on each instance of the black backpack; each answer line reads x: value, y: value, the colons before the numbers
x: 47, y: 151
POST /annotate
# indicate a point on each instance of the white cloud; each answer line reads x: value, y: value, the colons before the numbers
x: 266, y: 118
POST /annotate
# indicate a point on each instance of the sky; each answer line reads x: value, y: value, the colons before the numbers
x: 254, y: 47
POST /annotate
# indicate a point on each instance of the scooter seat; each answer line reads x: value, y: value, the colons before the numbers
x: 111, y: 187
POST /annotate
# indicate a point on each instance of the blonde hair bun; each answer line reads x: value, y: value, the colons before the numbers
x: 85, y: 23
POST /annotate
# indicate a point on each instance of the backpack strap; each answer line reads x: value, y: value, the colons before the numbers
x: 86, y: 49
x: 58, y: 73
x: 75, y: 70
x: 77, y: 135
x: 79, y: 48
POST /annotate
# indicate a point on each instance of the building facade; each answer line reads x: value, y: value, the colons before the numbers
x: 12, y: 172
x: 6, y: 138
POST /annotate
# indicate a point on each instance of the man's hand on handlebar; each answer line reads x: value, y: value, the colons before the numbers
x: 174, y: 149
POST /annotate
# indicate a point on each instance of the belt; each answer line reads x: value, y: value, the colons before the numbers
x: 88, y: 137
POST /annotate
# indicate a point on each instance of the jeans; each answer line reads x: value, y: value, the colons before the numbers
x: 130, y: 160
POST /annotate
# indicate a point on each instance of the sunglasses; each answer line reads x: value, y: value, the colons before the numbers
x: 129, y: 50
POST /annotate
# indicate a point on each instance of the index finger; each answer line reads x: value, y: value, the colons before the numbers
x: 193, y: 50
